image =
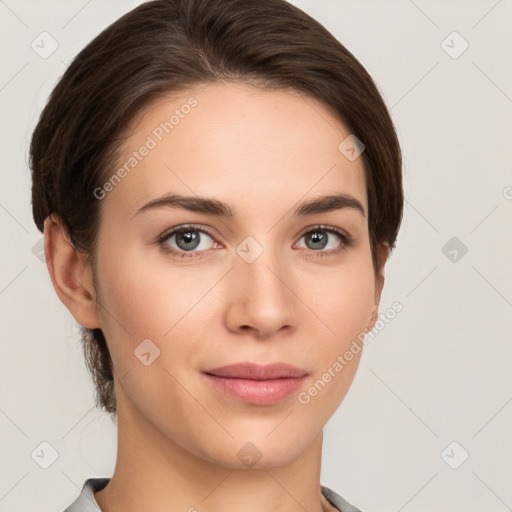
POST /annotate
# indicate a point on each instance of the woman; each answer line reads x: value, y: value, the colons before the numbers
x: 219, y: 186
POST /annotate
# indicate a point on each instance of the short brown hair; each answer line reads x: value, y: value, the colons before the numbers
x: 164, y: 46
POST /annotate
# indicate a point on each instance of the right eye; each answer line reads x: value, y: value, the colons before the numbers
x: 188, y: 240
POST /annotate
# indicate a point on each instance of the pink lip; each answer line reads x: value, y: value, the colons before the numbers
x: 257, y: 384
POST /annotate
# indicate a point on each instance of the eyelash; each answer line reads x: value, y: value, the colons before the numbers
x: 346, y: 240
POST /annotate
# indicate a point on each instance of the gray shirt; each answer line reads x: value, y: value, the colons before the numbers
x: 87, y: 503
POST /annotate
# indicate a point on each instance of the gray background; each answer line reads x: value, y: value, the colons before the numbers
x: 438, y: 373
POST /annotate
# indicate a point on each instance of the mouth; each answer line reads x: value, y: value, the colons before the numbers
x: 257, y: 384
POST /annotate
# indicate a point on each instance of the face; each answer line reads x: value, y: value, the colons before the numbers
x: 267, y: 284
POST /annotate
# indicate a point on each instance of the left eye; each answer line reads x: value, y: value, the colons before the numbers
x: 318, y: 239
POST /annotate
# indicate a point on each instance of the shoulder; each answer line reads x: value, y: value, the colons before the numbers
x: 335, y: 499
x: 86, y: 501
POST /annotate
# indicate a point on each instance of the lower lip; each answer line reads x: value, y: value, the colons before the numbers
x: 258, y: 392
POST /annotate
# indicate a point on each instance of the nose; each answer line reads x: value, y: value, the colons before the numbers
x: 259, y: 296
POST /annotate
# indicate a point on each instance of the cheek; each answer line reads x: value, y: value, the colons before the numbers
x: 142, y: 297
x: 341, y: 298
x: 135, y: 303
x: 342, y: 303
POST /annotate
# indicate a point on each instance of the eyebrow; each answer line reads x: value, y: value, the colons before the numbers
x: 217, y: 208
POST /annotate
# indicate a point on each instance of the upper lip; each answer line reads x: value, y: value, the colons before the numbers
x: 257, y: 372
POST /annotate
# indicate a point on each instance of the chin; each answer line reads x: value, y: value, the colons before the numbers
x: 255, y: 452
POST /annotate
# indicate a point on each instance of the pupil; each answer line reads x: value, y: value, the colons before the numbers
x: 190, y: 239
x: 318, y: 238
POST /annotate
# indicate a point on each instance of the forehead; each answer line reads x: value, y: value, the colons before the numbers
x: 241, y: 145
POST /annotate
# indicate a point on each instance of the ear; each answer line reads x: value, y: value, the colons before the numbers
x: 384, y: 251
x: 70, y: 275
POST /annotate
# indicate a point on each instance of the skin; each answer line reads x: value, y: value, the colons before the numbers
x: 262, y: 153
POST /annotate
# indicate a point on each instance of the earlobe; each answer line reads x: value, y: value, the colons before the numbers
x: 70, y: 275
